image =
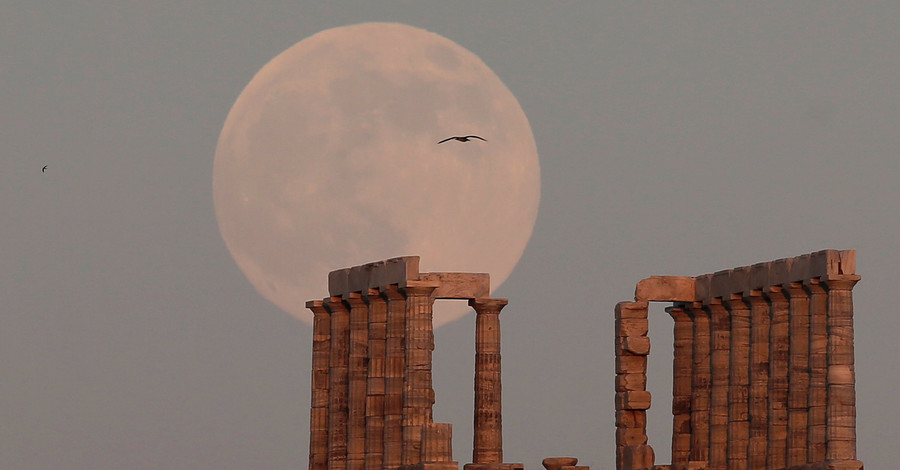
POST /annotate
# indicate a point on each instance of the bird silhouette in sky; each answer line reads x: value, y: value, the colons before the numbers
x: 44, y: 168
x: 464, y: 138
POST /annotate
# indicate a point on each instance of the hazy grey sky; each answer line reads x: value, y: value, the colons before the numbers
x: 675, y: 138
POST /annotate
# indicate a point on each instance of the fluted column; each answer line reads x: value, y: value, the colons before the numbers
x: 395, y: 367
x: 437, y: 445
x: 759, y: 380
x: 700, y: 384
x: 377, y: 332
x: 338, y: 383
x: 798, y: 366
x: 779, y: 349
x: 487, y: 446
x: 739, y: 384
x: 418, y: 394
x: 682, y: 364
x: 818, y: 370
x: 720, y: 359
x: 840, y: 431
x: 318, y: 414
x: 358, y: 376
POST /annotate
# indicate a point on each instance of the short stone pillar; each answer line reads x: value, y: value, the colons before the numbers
x: 488, y: 440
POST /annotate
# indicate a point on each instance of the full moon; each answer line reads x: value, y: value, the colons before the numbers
x: 329, y: 158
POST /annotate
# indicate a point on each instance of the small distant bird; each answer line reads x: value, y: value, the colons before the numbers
x: 44, y: 169
x: 464, y: 138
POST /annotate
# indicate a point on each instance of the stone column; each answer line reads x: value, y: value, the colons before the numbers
x: 437, y: 446
x: 375, y: 382
x: 682, y: 364
x: 338, y: 383
x: 395, y: 367
x: 418, y: 394
x: 779, y: 349
x: 632, y: 397
x: 818, y: 369
x: 487, y: 446
x: 720, y: 359
x: 739, y: 384
x: 358, y: 376
x: 700, y: 384
x: 840, y: 430
x: 318, y: 414
x: 759, y: 380
x: 798, y: 367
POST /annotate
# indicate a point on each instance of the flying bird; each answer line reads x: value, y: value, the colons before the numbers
x: 464, y: 138
x: 44, y: 168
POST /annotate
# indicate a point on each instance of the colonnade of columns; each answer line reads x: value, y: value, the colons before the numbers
x: 372, y: 394
x: 763, y: 378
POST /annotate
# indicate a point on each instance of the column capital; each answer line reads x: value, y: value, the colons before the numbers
x: 814, y: 286
x: 334, y: 305
x: 316, y: 306
x: 695, y: 309
x: 354, y: 300
x: 488, y: 305
x: 419, y: 288
x: 840, y: 281
x: 736, y: 302
x: 678, y: 313
x: 372, y: 295
x: 775, y: 294
x: 391, y: 292
x: 794, y: 289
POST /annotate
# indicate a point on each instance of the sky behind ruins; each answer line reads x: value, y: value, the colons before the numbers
x: 674, y: 139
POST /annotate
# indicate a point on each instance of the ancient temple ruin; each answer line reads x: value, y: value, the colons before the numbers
x: 763, y: 367
x: 372, y: 394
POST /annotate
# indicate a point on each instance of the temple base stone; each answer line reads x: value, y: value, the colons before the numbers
x: 494, y: 466
x: 432, y: 466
